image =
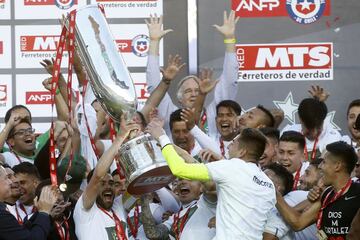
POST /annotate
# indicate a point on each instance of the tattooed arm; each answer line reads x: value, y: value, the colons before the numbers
x: 152, y: 231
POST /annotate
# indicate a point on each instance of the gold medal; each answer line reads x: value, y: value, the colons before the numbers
x: 321, y: 235
x: 63, y: 187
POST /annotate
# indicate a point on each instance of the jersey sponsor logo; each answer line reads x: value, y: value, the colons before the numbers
x: 302, y: 11
x: 39, y: 43
x: 262, y: 182
x: 140, y: 45
x: 305, y: 11
x: 3, y: 93
x: 348, y: 198
x: 39, y: 97
x: 62, y: 4
x: 289, y: 61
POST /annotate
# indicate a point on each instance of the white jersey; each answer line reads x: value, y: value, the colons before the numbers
x: 95, y: 224
x: 196, y: 226
x: 245, y: 198
x: 276, y: 225
x: 12, y: 160
x: 328, y: 135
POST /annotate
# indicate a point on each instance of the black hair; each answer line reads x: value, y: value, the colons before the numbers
x: 229, y: 104
x: 41, y: 185
x: 316, y: 162
x: 355, y: 103
x: 270, y: 120
x: 293, y: 136
x: 175, y: 117
x: 19, y: 106
x: 5, y: 165
x: 285, y: 176
x: 312, y: 112
x: 254, y: 141
x: 345, y: 152
x: 27, y: 168
x: 271, y: 132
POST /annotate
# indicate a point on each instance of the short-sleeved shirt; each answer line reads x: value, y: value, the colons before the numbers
x: 245, y: 198
x: 93, y: 223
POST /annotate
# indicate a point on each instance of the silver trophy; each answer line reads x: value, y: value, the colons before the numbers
x: 144, y: 166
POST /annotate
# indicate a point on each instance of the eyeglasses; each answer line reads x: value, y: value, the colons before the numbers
x: 22, y: 132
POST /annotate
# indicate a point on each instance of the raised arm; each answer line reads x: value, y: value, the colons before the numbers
x: 295, y: 219
x: 176, y: 164
x: 104, y: 163
x: 152, y: 231
x: 60, y: 104
x: 173, y: 67
x: 156, y: 33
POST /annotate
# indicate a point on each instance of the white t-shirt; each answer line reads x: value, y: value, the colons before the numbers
x: 196, y: 226
x: 12, y: 160
x: 327, y: 136
x: 245, y: 198
x: 276, y: 225
x: 95, y: 224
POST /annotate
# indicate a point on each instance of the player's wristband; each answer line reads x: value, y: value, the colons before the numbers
x: 230, y: 40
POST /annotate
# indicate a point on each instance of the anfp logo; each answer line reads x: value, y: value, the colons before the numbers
x: 305, y: 11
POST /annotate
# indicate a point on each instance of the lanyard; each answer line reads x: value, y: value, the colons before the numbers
x: 120, y: 233
x: 296, y: 178
x: 203, y: 122
x: 313, y: 153
x: 60, y: 230
x: 222, y: 147
x: 327, y: 202
x: 18, y: 217
x: 184, y: 218
x: 134, y: 228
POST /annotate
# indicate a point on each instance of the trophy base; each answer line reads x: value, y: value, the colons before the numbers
x: 150, y: 179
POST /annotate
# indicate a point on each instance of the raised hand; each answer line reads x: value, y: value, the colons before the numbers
x: 206, y: 82
x: 48, y: 65
x: 126, y: 127
x: 319, y: 93
x: 188, y: 115
x: 209, y: 156
x: 47, y: 199
x: 155, y: 26
x: 47, y: 83
x: 155, y: 128
x: 229, y: 25
x: 173, y: 67
x: 15, y: 118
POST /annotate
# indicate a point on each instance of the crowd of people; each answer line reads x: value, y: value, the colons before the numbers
x: 238, y: 176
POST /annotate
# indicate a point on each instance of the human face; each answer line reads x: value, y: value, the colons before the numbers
x: 27, y: 185
x: 290, y: 155
x: 62, y: 139
x: 270, y: 152
x: 310, y: 178
x: 328, y: 168
x: 188, y: 191
x: 23, y: 139
x: 189, y: 92
x: 119, y: 185
x: 138, y: 120
x: 252, y: 119
x: 106, y: 195
x: 351, y: 119
x: 181, y: 136
x: 225, y: 120
x: 279, y: 185
x: 5, y: 185
x: 357, y: 168
x: 311, y: 134
x: 15, y: 188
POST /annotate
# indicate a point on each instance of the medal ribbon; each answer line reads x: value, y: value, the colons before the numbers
x: 134, y: 228
x: 60, y: 230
